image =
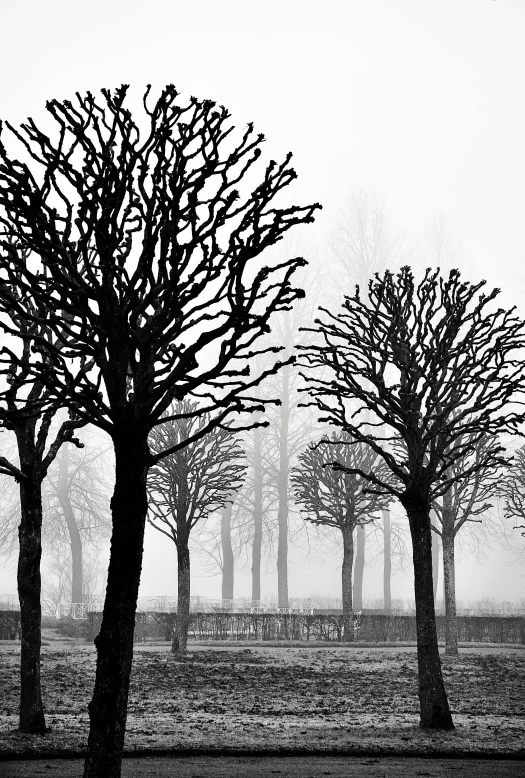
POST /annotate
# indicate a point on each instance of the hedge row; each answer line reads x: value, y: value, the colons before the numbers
x: 9, y: 625
x: 326, y: 627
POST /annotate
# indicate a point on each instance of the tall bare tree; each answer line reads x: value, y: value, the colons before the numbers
x: 436, y: 363
x: 365, y: 242
x: 291, y: 428
x: 466, y: 500
x: 146, y: 267
x: 26, y: 412
x: 76, y: 505
x: 185, y: 487
x: 335, y: 498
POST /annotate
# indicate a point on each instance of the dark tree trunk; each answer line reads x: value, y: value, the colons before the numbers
x: 434, y: 708
x: 108, y: 707
x: 72, y: 527
x: 29, y: 586
x: 257, y: 516
x: 387, y: 562
x: 449, y: 577
x: 282, y: 513
x: 359, y: 568
x: 346, y: 580
x: 227, y: 552
x: 180, y: 642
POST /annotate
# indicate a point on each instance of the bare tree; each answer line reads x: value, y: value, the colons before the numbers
x: 452, y: 374
x: 364, y: 242
x: 463, y: 503
x: 334, y: 498
x: 185, y: 487
x: 512, y: 489
x: 57, y: 574
x: 290, y: 430
x: 146, y: 266
x: 26, y: 412
x: 76, y: 506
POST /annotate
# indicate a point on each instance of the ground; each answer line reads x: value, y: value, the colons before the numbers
x: 317, y: 699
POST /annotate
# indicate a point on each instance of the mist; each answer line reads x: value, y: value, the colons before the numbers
x: 417, y: 108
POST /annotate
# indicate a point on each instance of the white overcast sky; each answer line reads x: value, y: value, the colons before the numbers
x: 424, y: 100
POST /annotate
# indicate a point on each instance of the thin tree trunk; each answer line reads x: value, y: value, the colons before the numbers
x: 227, y: 552
x: 29, y: 587
x: 346, y: 580
x: 282, y: 513
x: 387, y: 562
x: 72, y: 527
x: 435, y: 554
x: 257, y: 515
x: 449, y: 576
x: 359, y: 568
x: 183, y: 595
x: 108, y: 707
x: 434, y: 708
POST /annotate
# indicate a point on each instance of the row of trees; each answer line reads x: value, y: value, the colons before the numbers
x: 130, y: 279
x: 132, y: 295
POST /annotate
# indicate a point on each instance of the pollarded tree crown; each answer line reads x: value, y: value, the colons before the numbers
x: 434, y: 365
x: 142, y: 254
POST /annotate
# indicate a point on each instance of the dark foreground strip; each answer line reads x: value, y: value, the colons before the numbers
x: 233, y: 753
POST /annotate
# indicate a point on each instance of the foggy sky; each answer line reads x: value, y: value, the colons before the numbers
x: 422, y: 101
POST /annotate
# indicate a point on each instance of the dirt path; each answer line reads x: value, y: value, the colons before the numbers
x: 269, y: 767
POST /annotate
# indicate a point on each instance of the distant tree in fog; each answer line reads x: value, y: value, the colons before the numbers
x: 364, y: 242
x: 334, y: 498
x: 470, y: 494
x: 512, y: 489
x: 187, y: 486
x: 76, y: 509
x: 437, y: 364
x: 290, y: 428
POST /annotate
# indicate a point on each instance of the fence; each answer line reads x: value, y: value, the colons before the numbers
x: 317, y: 627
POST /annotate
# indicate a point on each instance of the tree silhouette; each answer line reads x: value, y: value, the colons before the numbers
x: 466, y: 498
x: 25, y: 411
x: 436, y: 363
x: 145, y: 265
x: 187, y: 486
x: 335, y: 498
x: 512, y: 489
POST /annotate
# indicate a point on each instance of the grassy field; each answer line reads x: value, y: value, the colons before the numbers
x: 318, y: 698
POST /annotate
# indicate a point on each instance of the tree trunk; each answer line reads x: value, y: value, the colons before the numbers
x: 282, y: 513
x: 449, y: 576
x: 180, y: 642
x: 108, y: 707
x: 72, y: 527
x: 435, y: 554
x: 434, y: 708
x: 29, y: 586
x: 227, y: 552
x: 387, y: 562
x: 346, y: 580
x: 257, y: 515
x: 359, y: 568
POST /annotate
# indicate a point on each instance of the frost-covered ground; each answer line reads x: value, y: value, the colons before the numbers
x: 317, y: 698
